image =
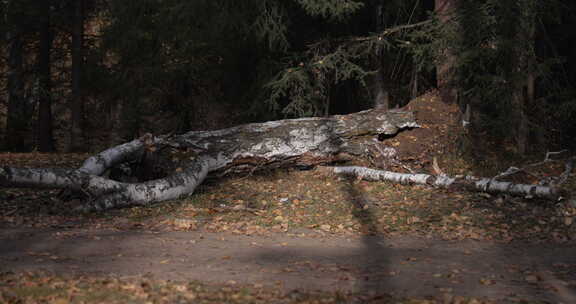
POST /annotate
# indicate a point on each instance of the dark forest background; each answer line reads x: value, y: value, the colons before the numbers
x: 81, y: 75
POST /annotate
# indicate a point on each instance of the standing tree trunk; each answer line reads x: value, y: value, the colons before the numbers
x: 444, y: 68
x: 379, y: 91
x: 16, y: 122
x: 522, y: 129
x: 76, y: 143
x: 45, y: 137
x: 527, y: 67
x: 521, y: 32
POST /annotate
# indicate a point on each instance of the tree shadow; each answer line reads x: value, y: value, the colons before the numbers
x: 372, y: 280
x: 540, y: 276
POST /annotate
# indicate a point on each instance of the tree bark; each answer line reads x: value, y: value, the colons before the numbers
x: 187, y: 159
x: 76, y: 143
x: 16, y: 121
x: 444, y: 9
x: 519, y: 28
x: 469, y: 183
x: 45, y: 137
x: 381, y: 95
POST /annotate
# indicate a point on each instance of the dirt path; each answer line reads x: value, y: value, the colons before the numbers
x: 399, y: 266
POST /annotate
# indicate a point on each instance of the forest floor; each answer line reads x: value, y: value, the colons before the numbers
x: 290, y: 236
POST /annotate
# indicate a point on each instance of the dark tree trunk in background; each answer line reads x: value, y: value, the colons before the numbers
x: 520, y: 28
x: 379, y: 91
x: 76, y: 143
x: 444, y: 68
x: 527, y: 91
x: 45, y: 137
x: 16, y: 121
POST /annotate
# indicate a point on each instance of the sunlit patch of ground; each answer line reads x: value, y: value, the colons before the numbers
x: 307, y: 202
x: 291, y: 200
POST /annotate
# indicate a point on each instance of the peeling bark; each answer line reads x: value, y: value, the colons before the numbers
x: 469, y: 183
x: 190, y: 157
x: 170, y: 167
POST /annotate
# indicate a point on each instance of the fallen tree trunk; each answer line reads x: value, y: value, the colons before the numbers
x: 469, y: 183
x: 169, y: 167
